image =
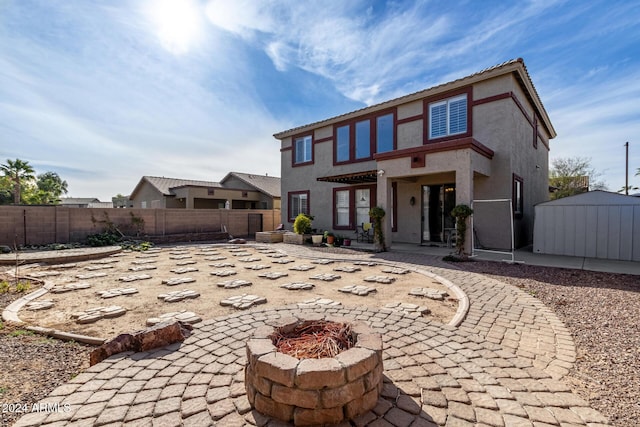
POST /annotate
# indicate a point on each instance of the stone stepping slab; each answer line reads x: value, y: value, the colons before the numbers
x: 94, y: 314
x: 282, y: 261
x: 135, y: 277
x: 380, y: 279
x: 97, y: 267
x: 326, y: 277
x: 302, y: 267
x: 408, y: 308
x: 187, y: 262
x: 215, y: 258
x: 222, y: 265
x: 233, y: 284
x: 359, y: 290
x: 223, y: 273
x: 326, y: 302
x: 182, y: 316
x: 396, y: 270
x: 243, y: 302
x: 322, y: 261
x: 183, y: 270
x: 298, y: 286
x: 105, y: 261
x: 241, y: 254
x: 66, y: 266
x: 116, y: 292
x: 366, y: 263
x: 257, y: 267
x: 180, y: 257
x: 40, y: 305
x: 431, y: 293
x: 59, y: 289
x: 233, y: 249
x: 143, y: 267
x: 45, y: 273
x: 273, y: 275
x: 144, y: 261
x: 347, y: 269
x: 267, y: 251
x: 90, y: 276
x: 207, y: 253
x: 177, y: 296
x: 147, y: 256
x: 277, y: 255
x: 249, y: 259
x: 179, y: 253
x: 119, y: 254
x: 178, y: 281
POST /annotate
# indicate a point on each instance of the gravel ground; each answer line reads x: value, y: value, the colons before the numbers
x: 602, y: 311
x: 32, y: 365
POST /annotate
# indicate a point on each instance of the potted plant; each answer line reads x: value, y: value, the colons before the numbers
x: 330, y: 237
x: 316, y: 239
x: 346, y: 241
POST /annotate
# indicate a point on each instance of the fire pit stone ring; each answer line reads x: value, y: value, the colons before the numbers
x: 314, y: 391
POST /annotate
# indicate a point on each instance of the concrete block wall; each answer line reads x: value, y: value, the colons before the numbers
x: 40, y: 225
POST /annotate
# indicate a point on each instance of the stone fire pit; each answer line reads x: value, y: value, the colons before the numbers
x: 314, y: 391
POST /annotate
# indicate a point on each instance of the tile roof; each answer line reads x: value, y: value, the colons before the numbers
x: 164, y: 185
x: 507, y: 66
x: 77, y: 200
x: 269, y: 185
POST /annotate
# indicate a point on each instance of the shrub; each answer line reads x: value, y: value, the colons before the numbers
x: 302, y: 224
x: 461, y: 213
x: 103, y: 239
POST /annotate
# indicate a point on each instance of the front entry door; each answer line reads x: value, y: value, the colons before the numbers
x: 437, y: 203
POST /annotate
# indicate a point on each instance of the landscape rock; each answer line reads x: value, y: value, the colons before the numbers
x: 156, y: 336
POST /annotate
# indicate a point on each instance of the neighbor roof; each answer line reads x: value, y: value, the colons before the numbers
x: 78, y: 200
x: 269, y: 185
x: 513, y: 66
x: 164, y: 185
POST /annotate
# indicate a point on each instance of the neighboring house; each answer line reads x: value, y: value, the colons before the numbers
x: 484, y: 136
x: 121, y: 202
x: 84, y: 202
x: 235, y: 192
x: 268, y: 186
x: 595, y: 224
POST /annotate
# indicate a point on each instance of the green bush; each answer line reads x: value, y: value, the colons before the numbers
x: 302, y: 224
x: 103, y: 239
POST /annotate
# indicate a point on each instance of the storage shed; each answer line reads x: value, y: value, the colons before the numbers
x: 596, y: 224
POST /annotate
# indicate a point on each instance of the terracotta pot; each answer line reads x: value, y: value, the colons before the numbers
x: 331, y: 239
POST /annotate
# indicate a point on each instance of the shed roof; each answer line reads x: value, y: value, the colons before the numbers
x: 594, y: 198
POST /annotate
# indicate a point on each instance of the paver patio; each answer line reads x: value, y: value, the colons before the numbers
x: 503, y: 366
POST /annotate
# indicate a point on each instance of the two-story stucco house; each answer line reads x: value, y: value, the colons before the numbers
x: 484, y: 136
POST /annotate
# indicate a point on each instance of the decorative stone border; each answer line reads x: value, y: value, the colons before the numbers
x: 314, y: 391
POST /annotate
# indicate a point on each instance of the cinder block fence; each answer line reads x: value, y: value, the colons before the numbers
x: 41, y: 225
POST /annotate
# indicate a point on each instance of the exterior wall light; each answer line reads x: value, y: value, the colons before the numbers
x: 412, y: 201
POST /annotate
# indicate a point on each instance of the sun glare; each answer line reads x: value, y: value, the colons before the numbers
x: 177, y: 23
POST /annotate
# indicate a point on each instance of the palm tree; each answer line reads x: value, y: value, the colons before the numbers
x: 51, y: 187
x: 17, y: 170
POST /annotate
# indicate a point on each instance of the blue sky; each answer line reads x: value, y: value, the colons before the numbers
x: 104, y: 92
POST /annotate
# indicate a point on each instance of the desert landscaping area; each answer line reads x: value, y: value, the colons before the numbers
x: 603, y: 375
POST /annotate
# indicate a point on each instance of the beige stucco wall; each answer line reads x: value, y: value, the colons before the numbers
x: 499, y: 125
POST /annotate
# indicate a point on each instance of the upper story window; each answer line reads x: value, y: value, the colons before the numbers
x: 363, y: 139
x: 360, y: 139
x: 448, y: 117
x: 384, y: 133
x: 302, y: 147
x: 343, y: 138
